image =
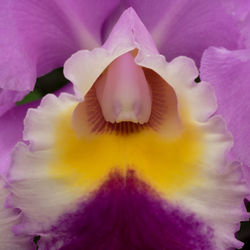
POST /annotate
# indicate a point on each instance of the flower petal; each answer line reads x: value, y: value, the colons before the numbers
x: 8, y: 218
x: 8, y: 99
x: 11, y: 128
x: 228, y: 72
x: 40, y: 139
x: 37, y: 37
x: 184, y: 27
x: 244, y: 41
x: 238, y: 8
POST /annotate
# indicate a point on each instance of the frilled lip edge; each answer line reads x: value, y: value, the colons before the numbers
x: 9, y: 217
x: 29, y: 125
x: 146, y: 58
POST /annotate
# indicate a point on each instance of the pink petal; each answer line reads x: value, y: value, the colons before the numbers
x: 11, y: 128
x: 185, y: 27
x: 228, y: 72
x: 38, y: 36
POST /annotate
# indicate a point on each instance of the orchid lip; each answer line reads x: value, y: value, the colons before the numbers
x: 124, y: 93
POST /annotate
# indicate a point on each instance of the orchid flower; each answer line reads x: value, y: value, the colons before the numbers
x: 138, y: 155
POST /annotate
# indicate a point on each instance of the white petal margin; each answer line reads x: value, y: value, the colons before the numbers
x: 40, y: 198
x: 9, y: 218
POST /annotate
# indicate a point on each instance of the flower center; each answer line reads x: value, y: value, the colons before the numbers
x: 123, y: 92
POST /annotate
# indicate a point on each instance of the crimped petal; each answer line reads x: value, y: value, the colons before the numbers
x: 228, y: 72
x: 38, y: 36
x: 180, y: 74
x: 32, y: 193
x: 218, y: 172
x: 9, y: 218
x: 11, y: 129
x: 31, y: 189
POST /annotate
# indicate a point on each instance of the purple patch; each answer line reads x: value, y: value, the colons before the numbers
x: 126, y: 214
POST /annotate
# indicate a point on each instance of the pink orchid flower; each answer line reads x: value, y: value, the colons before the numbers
x: 137, y: 155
